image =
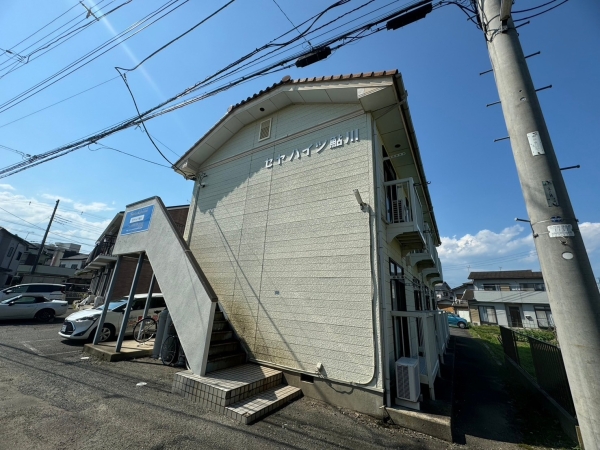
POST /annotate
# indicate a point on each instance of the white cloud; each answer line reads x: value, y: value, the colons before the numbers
x: 511, y: 249
x: 591, y: 235
x: 6, y: 187
x: 57, y: 197
x: 92, y: 207
x: 29, y: 216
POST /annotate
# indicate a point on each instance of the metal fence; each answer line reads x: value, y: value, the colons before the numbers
x: 548, y: 363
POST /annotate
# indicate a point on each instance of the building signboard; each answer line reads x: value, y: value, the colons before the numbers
x: 138, y: 220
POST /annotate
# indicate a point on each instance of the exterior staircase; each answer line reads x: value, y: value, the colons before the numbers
x: 241, y: 391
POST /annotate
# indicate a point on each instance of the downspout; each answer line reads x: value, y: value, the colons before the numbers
x: 383, y: 312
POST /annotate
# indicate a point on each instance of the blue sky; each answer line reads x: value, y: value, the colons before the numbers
x: 474, y: 185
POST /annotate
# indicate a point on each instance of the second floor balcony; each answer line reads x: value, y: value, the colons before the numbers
x: 404, y: 214
x: 102, y: 253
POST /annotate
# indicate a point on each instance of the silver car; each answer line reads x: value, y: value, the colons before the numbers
x: 32, y: 307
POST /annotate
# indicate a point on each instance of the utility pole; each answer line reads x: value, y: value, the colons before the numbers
x: 572, y: 290
x: 37, y: 258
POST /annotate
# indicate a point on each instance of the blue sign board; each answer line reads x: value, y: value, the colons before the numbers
x: 137, y: 220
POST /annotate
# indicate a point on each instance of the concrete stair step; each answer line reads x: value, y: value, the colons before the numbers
x: 219, y: 316
x: 220, y: 347
x: 228, y: 386
x: 221, y: 335
x: 223, y: 361
x: 259, y: 405
x: 220, y: 325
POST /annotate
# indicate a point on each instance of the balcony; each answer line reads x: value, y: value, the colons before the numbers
x: 425, y: 258
x: 404, y: 214
x: 102, y: 254
x: 423, y: 335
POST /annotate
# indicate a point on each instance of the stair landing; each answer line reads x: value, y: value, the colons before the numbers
x: 244, y: 393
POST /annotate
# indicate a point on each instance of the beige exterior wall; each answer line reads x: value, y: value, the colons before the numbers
x: 287, y: 249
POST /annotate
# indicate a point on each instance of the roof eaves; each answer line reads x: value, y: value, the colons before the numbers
x: 285, y: 80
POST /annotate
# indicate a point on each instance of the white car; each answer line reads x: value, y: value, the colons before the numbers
x: 82, y: 325
x: 32, y: 307
x: 50, y: 291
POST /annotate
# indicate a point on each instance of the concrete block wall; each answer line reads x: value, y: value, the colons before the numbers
x: 287, y: 248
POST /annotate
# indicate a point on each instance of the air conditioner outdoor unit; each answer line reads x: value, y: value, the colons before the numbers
x: 408, y: 386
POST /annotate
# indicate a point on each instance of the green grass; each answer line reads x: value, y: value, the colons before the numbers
x: 540, y: 430
x: 490, y: 335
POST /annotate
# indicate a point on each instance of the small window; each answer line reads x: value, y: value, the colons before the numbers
x: 10, y: 252
x: 265, y: 130
x: 18, y: 257
x: 25, y: 300
x: 487, y: 315
x: 73, y: 266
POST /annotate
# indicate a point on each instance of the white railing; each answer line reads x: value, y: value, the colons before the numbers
x: 428, y: 335
x: 403, y: 203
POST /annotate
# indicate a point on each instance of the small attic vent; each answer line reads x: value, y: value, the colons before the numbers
x: 265, y: 130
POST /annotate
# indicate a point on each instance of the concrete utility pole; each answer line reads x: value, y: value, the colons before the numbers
x: 37, y: 258
x: 568, y: 275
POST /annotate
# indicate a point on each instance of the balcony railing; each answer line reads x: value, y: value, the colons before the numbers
x: 104, y: 247
x: 423, y: 335
x: 404, y: 214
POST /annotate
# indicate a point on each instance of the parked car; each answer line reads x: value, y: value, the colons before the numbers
x: 82, y: 325
x: 457, y: 321
x: 51, y: 291
x: 32, y: 306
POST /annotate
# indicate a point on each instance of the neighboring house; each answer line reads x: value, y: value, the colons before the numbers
x: 73, y: 262
x: 12, y: 249
x: 444, y: 297
x: 312, y: 221
x: 49, y: 268
x: 100, y: 263
x: 513, y: 298
x: 461, y: 306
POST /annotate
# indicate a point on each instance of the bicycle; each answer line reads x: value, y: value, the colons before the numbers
x: 145, y: 329
x: 171, y: 352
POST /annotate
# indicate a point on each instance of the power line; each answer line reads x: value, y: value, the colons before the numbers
x: 254, y: 63
x: 40, y: 29
x: 60, y: 101
x: 78, y: 211
x: 177, y: 38
x: 290, y: 21
x: 128, y: 154
x: 87, y: 58
x: 59, y: 38
x: 154, y: 111
x: 51, y: 232
x: 543, y: 12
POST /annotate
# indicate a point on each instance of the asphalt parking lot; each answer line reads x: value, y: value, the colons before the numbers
x: 51, y: 398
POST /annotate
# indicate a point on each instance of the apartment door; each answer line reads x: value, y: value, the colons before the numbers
x: 515, y: 316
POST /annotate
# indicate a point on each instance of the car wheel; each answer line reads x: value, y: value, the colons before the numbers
x: 106, y: 334
x: 462, y: 325
x: 45, y: 315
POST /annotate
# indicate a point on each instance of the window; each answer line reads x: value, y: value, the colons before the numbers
x: 18, y: 257
x: 400, y: 324
x: 25, y: 300
x: 265, y: 130
x: 73, y: 266
x: 417, y: 294
x: 532, y: 286
x: 10, y: 252
x: 544, y: 316
x: 487, y: 315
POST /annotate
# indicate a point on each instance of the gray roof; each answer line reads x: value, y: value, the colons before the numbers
x: 504, y: 274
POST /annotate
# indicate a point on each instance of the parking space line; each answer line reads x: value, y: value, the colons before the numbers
x: 63, y: 353
x: 32, y: 348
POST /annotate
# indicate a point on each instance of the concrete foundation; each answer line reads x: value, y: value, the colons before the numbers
x: 435, y: 425
x: 129, y: 350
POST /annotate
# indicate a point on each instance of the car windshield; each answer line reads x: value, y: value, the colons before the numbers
x: 114, y: 305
